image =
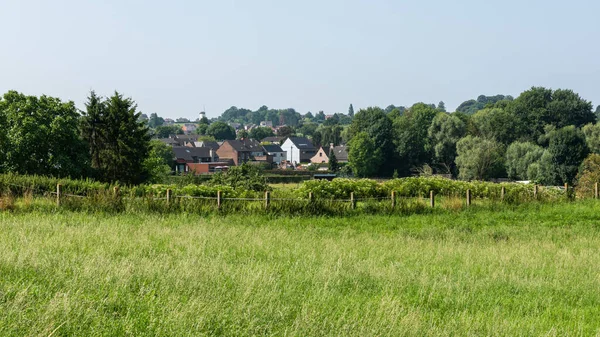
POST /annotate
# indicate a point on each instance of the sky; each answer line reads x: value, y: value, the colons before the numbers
x: 178, y: 57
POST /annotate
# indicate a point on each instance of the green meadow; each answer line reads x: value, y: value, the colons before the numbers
x: 530, y: 270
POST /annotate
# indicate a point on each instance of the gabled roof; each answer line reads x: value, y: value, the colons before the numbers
x: 209, y: 144
x: 245, y: 145
x: 169, y: 141
x: 272, y: 148
x: 188, y: 153
x: 302, y: 143
x: 341, y: 153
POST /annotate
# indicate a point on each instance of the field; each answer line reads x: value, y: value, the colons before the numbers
x: 523, y: 270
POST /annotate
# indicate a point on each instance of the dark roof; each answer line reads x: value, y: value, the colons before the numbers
x: 169, y: 141
x: 209, y: 144
x: 189, y: 138
x: 302, y: 143
x: 341, y: 152
x: 246, y: 145
x: 187, y: 153
x: 273, y: 148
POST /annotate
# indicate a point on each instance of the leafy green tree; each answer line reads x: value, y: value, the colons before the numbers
x: 243, y: 134
x: 589, y: 174
x: 479, y: 158
x: 164, y: 131
x: 351, y: 111
x: 363, y: 156
x: 538, y: 107
x: 317, y: 138
x: 331, y: 135
x: 520, y: 156
x: 445, y: 131
x: 154, y: 121
x: 159, y: 161
x: 286, y: 131
x: 592, y: 137
x: 221, y: 131
x: 202, y: 129
x: 412, y: 143
x: 123, y: 141
x: 494, y: 123
x: 375, y: 123
x: 333, y: 162
x: 309, y: 116
x: 441, y: 106
x: 333, y: 120
x: 261, y: 133
x: 472, y: 106
x: 308, y: 129
x: 39, y: 135
x: 320, y: 117
x: 566, y: 151
x: 245, y: 176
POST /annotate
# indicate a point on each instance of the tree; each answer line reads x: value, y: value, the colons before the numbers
x: 221, y: 131
x: 375, y: 123
x: 412, y: 144
x: 286, y: 131
x: 164, y: 131
x: 243, y: 134
x: 154, y: 120
x: 320, y: 116
x: 472, y: 106
x: 331, y: 135
x: 309, y: 116
x: 445, y: 131
x: 592, y: 137
x: 520, y: 156
x: 494, y: 123
x: 441, y: 106
x: 351, y: 111
x: 261, y: 133
x: 317, y: 138
x: 538, y: 107
x: 182, y: 120
x: 39, y: 135
x: 333, y: 162
x: 364, y: 157
x: 159, y: 160
x: 122, y: 142
x: 589, y: 174
x: 560, y: 162
x: 478, y: 158
x: 202, y: 129
x: 308, y: 129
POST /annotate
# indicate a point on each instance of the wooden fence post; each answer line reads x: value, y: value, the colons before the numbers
x: 432, y: 199
x: 58, y: 194
x: 535, y: 191
x: 502, y: 193
x: 267, y: 199
x: 311, y: 197
x: 116, y: 191
x: 219, y: 199
x: 352, y: 201
x: 468, y: 197
x: 169, y: 194
x: 393, y: 199
x: 596, y: 191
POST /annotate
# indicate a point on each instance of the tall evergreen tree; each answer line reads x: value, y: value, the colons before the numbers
x: 333, y: 162
x: 351, y: 111
x: 118, y: 139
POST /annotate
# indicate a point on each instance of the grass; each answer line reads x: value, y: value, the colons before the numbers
x: 528, y: 270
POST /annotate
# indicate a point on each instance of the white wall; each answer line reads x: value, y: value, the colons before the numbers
x: 293, y: 153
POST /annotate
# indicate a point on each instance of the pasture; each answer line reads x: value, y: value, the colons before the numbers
x: 522, y: 270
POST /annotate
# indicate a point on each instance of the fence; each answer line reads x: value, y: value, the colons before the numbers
x: 115, y: 200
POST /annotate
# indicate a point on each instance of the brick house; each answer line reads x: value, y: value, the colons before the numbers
x: 241, y: 151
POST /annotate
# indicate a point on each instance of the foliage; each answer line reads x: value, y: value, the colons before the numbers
x: 331, y: 135
x: 495, y: 123
x: 412, y: 144
x: 519, y: 158
x: 286, y: 131
x: 478, y: 158
x: 470, y: 107
x: 164, y: 131
x: 333, y: 164
x: 261, y: 133
x: 39, y: 135
x: 154, y: 121
x: 363, y: 155
x: 560, y: 163
x: 245, y: 177
x: 117, y: 138
x: 351, y: 111
x: 159, y: 160
x: 221, y: 131
x: 592, y: 137
x: 588, y: 176
x: 378, y: 128
x: 445, y: 131
x: 242, y: 134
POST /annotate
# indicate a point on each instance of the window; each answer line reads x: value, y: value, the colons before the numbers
x: 320, y: 154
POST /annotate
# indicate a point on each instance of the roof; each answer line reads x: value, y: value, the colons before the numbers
x: 273, y: 148
x: 187, y: 137
x: 169, y: 141
x: 341, y: 152
x: 245, y: 145
x: 302, y: 143
x: 187, y: 153
x: 210, y: 144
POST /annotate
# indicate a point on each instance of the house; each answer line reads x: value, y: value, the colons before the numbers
x: 267, y: 124
x: 276, y: 152
x: 324, y: 153
x: 189, y: 128
x: 209, y: 144
x: 192, y: 155
x: 299, y: 150
x: 241, y: 151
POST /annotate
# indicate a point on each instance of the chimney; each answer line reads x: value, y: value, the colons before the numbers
x: 331, y: 146
x: 212, y: 155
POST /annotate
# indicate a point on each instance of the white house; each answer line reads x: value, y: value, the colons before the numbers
x: 277, y: 152
x: 299, y: 150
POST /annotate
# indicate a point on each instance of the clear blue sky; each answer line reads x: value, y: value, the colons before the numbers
x: 174, y: 57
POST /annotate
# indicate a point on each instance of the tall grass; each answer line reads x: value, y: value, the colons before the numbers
x: 529, y: 270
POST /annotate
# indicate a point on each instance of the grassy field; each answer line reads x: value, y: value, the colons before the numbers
x: 528, y: 271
